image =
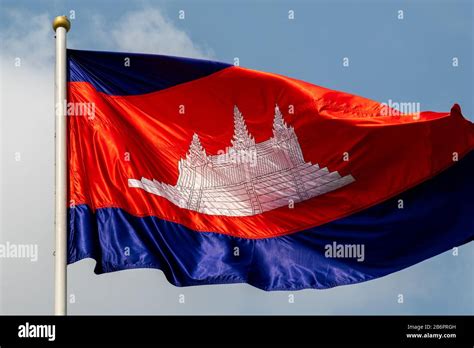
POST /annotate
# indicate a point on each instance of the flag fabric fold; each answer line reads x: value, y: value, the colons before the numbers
x: 219, y: 174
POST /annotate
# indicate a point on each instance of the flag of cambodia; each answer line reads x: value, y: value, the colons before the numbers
x: 218, y: 174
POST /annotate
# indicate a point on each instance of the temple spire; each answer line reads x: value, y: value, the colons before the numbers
x: 242, y: 139
x: 280, y: 128
x: 278, y: 121
x: 196, y: 155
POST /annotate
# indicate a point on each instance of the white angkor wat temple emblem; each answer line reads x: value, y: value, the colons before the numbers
x: 249, y: 178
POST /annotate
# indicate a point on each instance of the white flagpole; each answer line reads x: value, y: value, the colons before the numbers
x: 61, y: 26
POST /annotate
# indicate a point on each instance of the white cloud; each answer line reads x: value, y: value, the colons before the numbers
x: 26, y: 153
x: 27, y: 128
x: 148, y: 31
x: 141, y: 31
x: 33, y: 43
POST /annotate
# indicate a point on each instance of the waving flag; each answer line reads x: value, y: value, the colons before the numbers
x: 219, y: 174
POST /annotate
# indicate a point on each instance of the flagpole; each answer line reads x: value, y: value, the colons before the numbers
x: 61, y: 26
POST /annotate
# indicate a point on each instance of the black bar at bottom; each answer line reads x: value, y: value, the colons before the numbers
x: 286, y: 330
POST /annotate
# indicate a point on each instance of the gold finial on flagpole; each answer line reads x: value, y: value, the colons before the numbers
x: 61, y: 22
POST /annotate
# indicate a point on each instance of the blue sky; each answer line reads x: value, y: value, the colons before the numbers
x: 408, y: 59
x: 405, y: 60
